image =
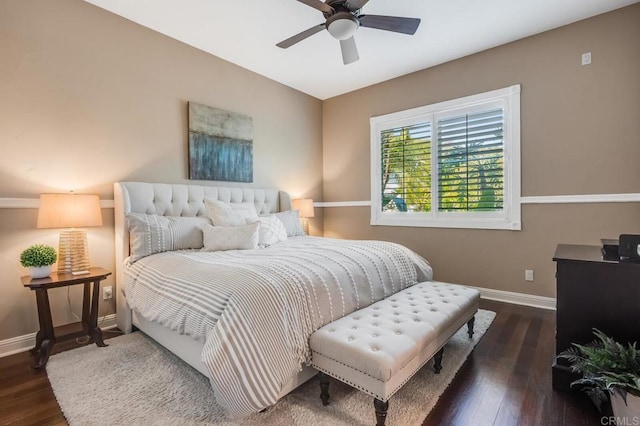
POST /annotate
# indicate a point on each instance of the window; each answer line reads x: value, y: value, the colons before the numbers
x: 455, y: 164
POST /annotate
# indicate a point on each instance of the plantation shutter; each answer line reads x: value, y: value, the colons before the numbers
x: 406, y: 168
x: 471, y: 162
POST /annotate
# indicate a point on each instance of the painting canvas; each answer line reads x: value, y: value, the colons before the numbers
x: 220, y: 144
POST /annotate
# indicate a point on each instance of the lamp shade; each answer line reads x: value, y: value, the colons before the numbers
x: 69, y: 211
x: 305, y: 205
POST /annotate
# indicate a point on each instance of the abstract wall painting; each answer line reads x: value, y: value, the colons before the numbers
x: 220, y: 144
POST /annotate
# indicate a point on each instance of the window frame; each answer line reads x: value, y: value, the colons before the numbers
x: 509, y: 218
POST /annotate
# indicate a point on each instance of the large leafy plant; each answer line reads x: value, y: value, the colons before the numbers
x: 607, y: 367
x: 38, y: 255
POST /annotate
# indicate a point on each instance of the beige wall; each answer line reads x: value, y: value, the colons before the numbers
x: 580, y: 128
x: 88, y: 98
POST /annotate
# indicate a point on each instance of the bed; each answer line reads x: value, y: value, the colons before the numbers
x: 243, y: 317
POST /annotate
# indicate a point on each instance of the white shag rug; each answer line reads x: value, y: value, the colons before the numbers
x: 135, y: 381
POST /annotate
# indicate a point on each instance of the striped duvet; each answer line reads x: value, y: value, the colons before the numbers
x: 255, y: 309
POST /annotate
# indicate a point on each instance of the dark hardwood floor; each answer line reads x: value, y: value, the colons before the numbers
x: 505, y: 381
x: 26, y: 397
x: 507, y: 378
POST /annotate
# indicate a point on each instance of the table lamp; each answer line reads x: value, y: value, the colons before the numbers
x: 70, y: 211
x: 305, y: 206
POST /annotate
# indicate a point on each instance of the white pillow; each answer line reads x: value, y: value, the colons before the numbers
x: 150, y: 233
x: 271, y: 230
x: 230, y: 214
x: 291, y: 221
x: 220, y: 238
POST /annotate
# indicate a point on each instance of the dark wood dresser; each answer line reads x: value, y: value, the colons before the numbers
x: 593, y: 292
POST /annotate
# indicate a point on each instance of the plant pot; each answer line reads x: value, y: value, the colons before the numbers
x: 40, y: 271
x: 626, y: 414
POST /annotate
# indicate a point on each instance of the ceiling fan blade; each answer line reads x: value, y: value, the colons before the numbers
x: 317, y: 4
x: 301, y: 36
x: 390, y: 23
x: 349, y: 50
x: 354, y: 5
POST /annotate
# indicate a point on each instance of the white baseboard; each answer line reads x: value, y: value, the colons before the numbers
x: 24, y: 343
x: 517, y: 298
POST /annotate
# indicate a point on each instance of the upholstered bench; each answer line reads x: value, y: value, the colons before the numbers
x: 377, y: 349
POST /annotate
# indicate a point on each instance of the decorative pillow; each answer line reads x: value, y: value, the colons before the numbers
x: 291, y: 221
x: 230, y: 214
x: 271, y: 230
x: 150, y: 233
x: 219, y: 238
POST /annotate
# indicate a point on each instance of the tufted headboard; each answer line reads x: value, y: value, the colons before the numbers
x: 175, y: 200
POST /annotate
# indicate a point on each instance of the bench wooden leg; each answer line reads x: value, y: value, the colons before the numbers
x: 381, y: 411
x: 324, y: 388
x: 437, y: 361
x: 470, y: 324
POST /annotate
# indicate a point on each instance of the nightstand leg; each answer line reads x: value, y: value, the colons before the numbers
x: 39, y: 339
x: 45, y: 337
x: 85, y: 305
x: 94, y: 330
x: 45, y: 351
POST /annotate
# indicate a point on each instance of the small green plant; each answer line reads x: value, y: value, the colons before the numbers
x: 607, y: 367
x: 38, y: 255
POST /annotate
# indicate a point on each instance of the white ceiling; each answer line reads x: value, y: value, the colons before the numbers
x: 245, y: 32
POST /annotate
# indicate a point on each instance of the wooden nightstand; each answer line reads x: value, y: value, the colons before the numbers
x: 48, y: 335
x: 592, y: 292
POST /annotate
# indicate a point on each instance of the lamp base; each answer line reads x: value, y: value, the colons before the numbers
x: 73, y: 252
x: 305, y: 225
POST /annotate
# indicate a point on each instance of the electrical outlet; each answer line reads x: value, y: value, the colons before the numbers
x: 107, y: 293
x: 528, y: 274
x: 586, y: 58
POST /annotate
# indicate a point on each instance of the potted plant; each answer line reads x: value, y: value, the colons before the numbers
x: 38, y: 258
x: 609, y: 370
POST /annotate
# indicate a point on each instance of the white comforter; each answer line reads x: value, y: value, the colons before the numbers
x: 255, y: 309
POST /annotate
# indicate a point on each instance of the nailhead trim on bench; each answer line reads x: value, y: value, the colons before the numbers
x: 342, y: 379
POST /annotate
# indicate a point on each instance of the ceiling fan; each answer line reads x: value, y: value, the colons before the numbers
x: 342, y: 19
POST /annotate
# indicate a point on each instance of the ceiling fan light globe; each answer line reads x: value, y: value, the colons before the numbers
x: 342, y: 29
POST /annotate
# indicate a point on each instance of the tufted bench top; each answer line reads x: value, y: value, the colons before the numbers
x: 382, y: 338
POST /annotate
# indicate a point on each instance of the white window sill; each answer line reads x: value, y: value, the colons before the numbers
x: 421, y: 222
